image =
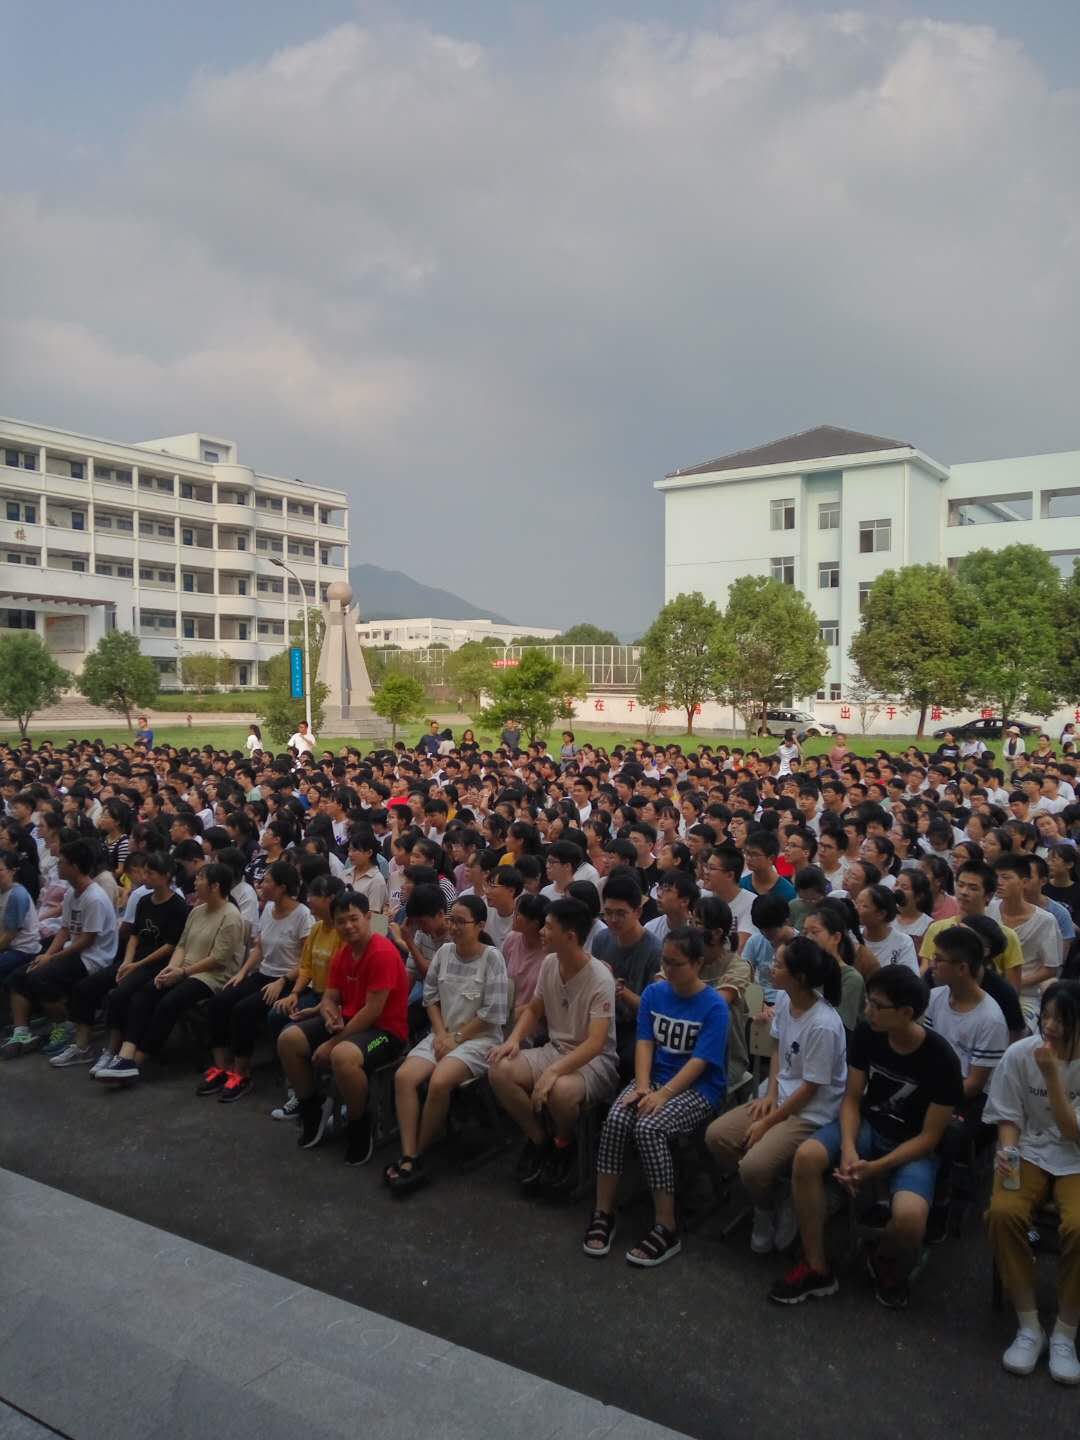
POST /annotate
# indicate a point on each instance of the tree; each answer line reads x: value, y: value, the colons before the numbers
x: 530, y: 693
x: 778, y: 654
x: 469, y: 672
x: 493, y: 641
x: 585, y: 634
x: 399, y: 699
x: 30, y: 679
x: 117, y: 676
x: 203, y: 671
x: 868, y: 700
x: 1014, y: 642
x: 1069, y: 635
x: 279, y: 714
x: 913, y: 641
x: 685, y: 656
x: 532, y: 640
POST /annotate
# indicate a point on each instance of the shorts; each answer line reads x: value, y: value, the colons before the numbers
x: 601, y: 1076
x: 917, y: 1177
x: 378, y: 1047
x: 471, y: 1053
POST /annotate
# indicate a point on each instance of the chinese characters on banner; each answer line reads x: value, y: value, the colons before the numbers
x: 935, y: 712
x: 845, y: 712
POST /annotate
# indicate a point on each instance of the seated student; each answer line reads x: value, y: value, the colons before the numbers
x: 676, y: 895
x: 575, y: 997
x: 806, y: 1081
x: 759, y: 852
x: 501, y: 891
x: 1036, y: 929
x: 524, y: 948
x: 812, y: 888
x: 679, y: 1082
x: 20, y: 932
x: 770, y: 917
x: 467, y: 998
x: 830, y: 927
x: 1034, y: 1099
x: 975, y: 882
x: 362, y: 1024
x: 972, y: 1022
x: 631, y: 952
x: 86, y: 942
x: 363, y: 873
x: 903, y: 1086
x: 877, y: 908
x: 727, y: 972
x: 992, y: 937
x: 158, y: 922
x: 209, y: 952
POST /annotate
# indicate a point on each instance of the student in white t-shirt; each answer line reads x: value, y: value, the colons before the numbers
x: 303, y: 741
x: 877, y: 910
x: 1035, y: 1103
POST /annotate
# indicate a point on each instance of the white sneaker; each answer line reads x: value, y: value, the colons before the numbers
x: 1023, y: 1354
x: 787, y: 1223
x: 72, y: 1055
x: 103, y: 1061
x: 289, y: 1111
x: 762, y: 1237
x: 1064, y: 1366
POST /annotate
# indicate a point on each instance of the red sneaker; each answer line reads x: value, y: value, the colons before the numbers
x: 212, y: 1081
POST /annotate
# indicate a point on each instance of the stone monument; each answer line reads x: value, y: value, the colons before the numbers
x: 347, y: 709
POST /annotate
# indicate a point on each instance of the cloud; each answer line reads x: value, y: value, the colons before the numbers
x: 496, y: 291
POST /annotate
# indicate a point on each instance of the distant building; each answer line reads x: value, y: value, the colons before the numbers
x: 422, y: 634
x: 828, y: 510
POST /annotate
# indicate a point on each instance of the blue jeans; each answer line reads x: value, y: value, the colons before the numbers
x: 917, y: 1176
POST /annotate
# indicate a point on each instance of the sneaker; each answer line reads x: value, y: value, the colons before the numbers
x: 801, y: 1283
x: 289, y: 1111
x: 763, y: 1235
x: 1064, y: 1366
x: 22, y: 1043
x: 890, y: 1286
x: 787, y: 1223
x: 212, y: 1081
x: 60, y: 1037
x: 359, y: 1141
x: 529, y: 1163
x: 1023, y: 1354
x: 72, y: 1055
x: 559, y: 1172
x: 315, y: 1119
x: 120, y: 1069
x: 103, y: 1061
x: 235, y: 1088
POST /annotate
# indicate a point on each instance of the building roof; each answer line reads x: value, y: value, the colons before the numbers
x: 819, y: 443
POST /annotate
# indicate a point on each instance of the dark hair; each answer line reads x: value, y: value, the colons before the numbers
x: 885, y: 901
x: 220, y: 876
x: 425, y: 902
x: 354, y: 900
x: 587, y: 893
x: 509, y: 876
x: 160, y: 863
x: 533, y: 907
x: 690, y: 940
x: 567, y: 853
x: 1016, y: 863
x: 1064, y: 996
x: 478, y: 910
x: 941, y: 871
x: 811, y: 877
x: 622, y: 884
x: 814, y: 967
x: 283, y: 874
x: 714, y: 918
x: 991, y: 935
x: 326, y: 886
x: 764, y: 840
x: 769, y: 911
x: 962, y: 945
x: 685, y: 885
x: 1068, y: 854
x: 572, y: 915
x: 81, y: 854
x: 903, y: 989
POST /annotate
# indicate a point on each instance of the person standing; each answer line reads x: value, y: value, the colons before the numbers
x: 303, y: 741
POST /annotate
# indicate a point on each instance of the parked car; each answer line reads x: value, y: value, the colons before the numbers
x: 986, y: 727
x: 801, y: 721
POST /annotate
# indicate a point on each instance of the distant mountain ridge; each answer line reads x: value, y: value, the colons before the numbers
x: 391, y: 595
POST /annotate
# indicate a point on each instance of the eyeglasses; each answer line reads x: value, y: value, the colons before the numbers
x: 460, y: 920
x: 873, y: 1003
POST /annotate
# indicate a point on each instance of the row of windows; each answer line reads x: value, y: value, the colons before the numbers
x: 873, y: 534
x: 782, y: 568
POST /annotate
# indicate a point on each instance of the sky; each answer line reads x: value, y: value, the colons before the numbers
x: 494, y: 268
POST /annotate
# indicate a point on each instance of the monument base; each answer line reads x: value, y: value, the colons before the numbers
x: 354, y: 722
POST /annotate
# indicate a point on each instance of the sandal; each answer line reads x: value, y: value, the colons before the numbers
x: 410, y: 1175
x: 601, y: 1228
x: 659, y: 1244
x: 393, y: 1172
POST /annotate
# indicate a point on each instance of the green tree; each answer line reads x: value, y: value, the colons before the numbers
x: 117, y: 676
x: 203, y: 670
x: 777, y: 651
x: 585, y: 634
x: 469, y: 673
x: 1069, y: 635
x: 493, y: 641
x: 30, y: 679
x: 685, y: 656
x: 532, y: 640
x: 1014, y: 642
x: 912, y: 643
x: 279, y: 714
x: 399, y: 699
x: 530, y: 693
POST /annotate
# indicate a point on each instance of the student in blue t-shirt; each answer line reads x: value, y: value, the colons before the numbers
x: 680, y: 1074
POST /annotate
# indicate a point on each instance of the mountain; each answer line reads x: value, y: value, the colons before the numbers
x: 391, y: 595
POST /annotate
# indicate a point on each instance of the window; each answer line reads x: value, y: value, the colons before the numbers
x: 13, y: 557
x: 166, y: 531
x: 79, y: 565
x: 30, y: 514
x: 124, y: 571
x: 13, y: 510
x: 210, y: 456
x: 125, y: 522
x: 990, y: 510
x: 781, y: 514
x: 828, y: 575
x: 1060, y: 504
x: 18, y: 619
x: 104, y: 521
x: 874, y: 535
x: 834, y: 691
x: 188, y: 583
x: 187, y: 492
x: 188, y: 627
x: 242, y: 630
x: 241, y: 542
x: 165, y: 485
x: 324, y: 557
x: 242, y: 675
x: 145, y: 573
x: 241, y: 587
x: 782, y: 568
x: 103, y: 569
x: 167, y: 577
x: 78, y: 520
x: 30, y: 559
x: 830, y: 632
x: 77, y: 469
x: 864, y: 593
x: 828, y: 515
x: 29, y: 462
x: 187, y: 537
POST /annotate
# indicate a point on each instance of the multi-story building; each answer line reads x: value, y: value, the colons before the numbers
x: 828, y: 510
x: 173, y: 539
x: 424, y: 633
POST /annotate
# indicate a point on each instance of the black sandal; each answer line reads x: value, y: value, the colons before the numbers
x: 659, y: 1244
x: 410, y: 1178
x: 392, y: 1173
x: 601, y: 1227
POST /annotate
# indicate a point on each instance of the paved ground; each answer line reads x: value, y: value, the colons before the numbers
x: 694, y: 1345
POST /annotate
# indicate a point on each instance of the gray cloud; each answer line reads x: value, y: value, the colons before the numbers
x: 496, y: 293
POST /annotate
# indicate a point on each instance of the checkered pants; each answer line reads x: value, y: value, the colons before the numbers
x: 680, y: 1116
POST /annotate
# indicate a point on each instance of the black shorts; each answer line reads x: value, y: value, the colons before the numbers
x: 378, y: 1047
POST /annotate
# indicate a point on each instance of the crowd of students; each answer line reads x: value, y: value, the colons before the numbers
x: 585, y: 930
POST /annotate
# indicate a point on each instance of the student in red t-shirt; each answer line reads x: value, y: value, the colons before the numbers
x: 362, y: 1024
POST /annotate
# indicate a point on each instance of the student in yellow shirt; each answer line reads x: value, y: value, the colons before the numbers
x: 974, y: 887
x: 302, y: 1000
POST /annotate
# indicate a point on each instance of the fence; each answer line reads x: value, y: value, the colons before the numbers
x: 614, y: 668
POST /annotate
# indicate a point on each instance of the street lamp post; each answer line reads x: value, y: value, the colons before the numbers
x: 307, y: 656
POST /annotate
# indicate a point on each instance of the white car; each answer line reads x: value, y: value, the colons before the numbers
x: 801, y: 721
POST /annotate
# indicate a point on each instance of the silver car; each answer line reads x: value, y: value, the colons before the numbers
x: 801, y: 721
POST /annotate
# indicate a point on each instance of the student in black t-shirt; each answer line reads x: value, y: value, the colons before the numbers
x: 904, y: 1083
